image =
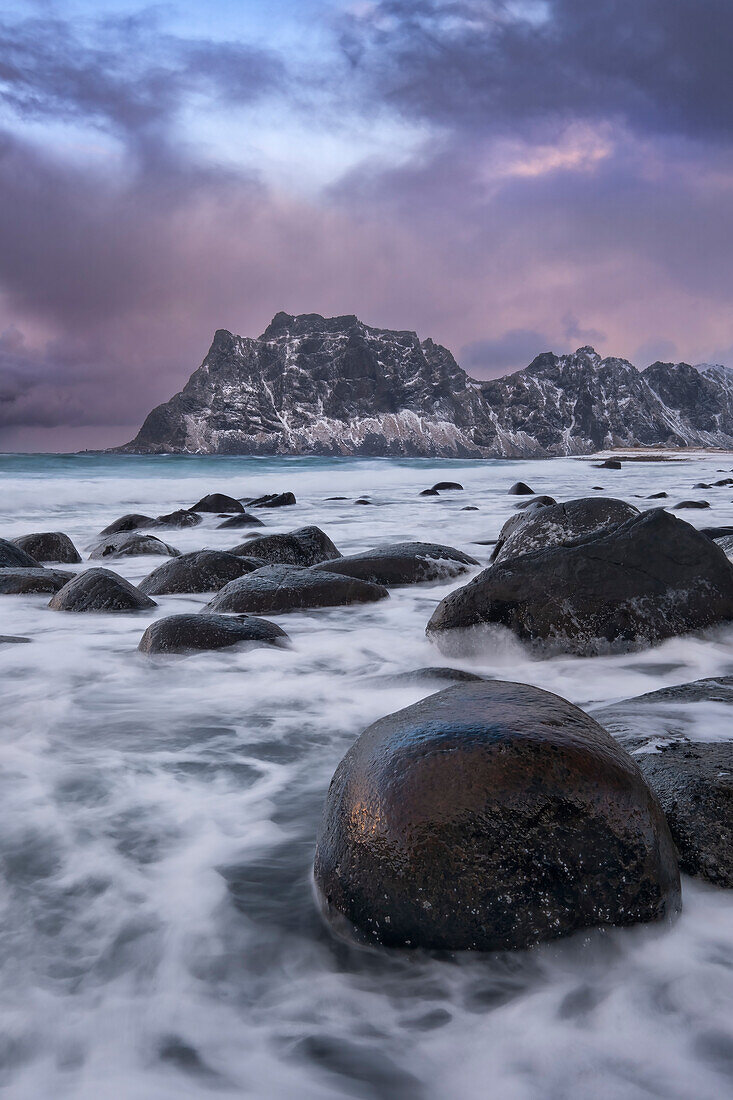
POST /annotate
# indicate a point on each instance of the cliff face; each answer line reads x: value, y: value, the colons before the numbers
x: 329, y: 386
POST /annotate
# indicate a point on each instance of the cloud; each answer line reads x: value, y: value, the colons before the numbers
x: 510, y: 351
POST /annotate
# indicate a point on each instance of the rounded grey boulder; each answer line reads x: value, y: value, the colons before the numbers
x: 490, y: 816
x: 12, y: 557
x: 49, y: 546
x: 217, y: 502
x: 653, y: 577
x: 560, y: 525
x: 521, y: 489
x: 306, y: 546
x: 21, y: 582
x: 243, y: 519
x: 403, y: 563
x: 130, y: 545
x: 133, y: 521
x: 278, y: 588
x: 186, y: 633
x: 100, y: 590
x: 182, y: 517
x: 201, y: 571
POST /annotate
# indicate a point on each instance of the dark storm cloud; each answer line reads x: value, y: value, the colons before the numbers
x: 660, y: 65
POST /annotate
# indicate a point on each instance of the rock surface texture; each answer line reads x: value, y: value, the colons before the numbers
x: 49, y: 546
x: 279, y: 588
x: 316, y: 385
x: 490, y: 816
x: 100, y: 590
x: 403, y: 563
x: 186, y: 633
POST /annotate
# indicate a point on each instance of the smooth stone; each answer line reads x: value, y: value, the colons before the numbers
x: 185, y: 633
x: 12, y: 639
x: 273, y: 500
x: 12, y: 557
x: 132, y: 545
x: 520, y: 489
x: 402, y: 563
x: 560, y: 525
x: 702, y: 485
x: 182, y: 517
x: 217, y: 502
x: 305, y: 546
x: 470, y: 508
x: 533, y: 505
x: 200, y: 571
x: 652, y: 578
x: 133, y: 521
x: 447, y: 486
x: 49, y: 546
x: 244, y: 519
x: 363, y: 500
x: 337, y: 498
x: 490, y: 816
x: 278, y: 588
x: 100, y: 590
x: 724, y: 482
x: 609, y: 464
x: 428, y: 675
x: 21, y: 582
x: 691, y: 504
x: 657, y: 496
x: 429, y: 493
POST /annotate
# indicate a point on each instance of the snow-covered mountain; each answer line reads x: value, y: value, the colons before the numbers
x: 315, y: 385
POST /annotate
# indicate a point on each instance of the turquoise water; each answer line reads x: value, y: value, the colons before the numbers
x: 158, y: 937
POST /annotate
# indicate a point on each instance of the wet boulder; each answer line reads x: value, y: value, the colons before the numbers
x: 609, y: 464
x: 716, y: 532
x: 657, y: 496
x: 306, y: 546
x: 133, y: 521
x: 278, y: 588
x: 691, y: 504
x: 12, y: 639
x: 273, y: 500
x: 13, y: 557
x: 22, y: 582
x: 434, y: 675
x: 520, y: 489
x: 429, y: 493
x: 217, y: 502
x: 726, y: 544
x: 244, y: 519
x: 100, y: 590
x: 49, y: 546
x: 490, y: 816
x: 131, y: 545
x: 447, y: 486
x: 200, y: 571
x: 535, y: 504
x: 187, y: 633
x: 403, y: 563
x: 560, y: 525
x: 363, y: 500
x: 182, y: 517
x: 653, y: 577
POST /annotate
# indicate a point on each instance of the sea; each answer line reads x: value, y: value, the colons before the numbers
x: 159, y: 938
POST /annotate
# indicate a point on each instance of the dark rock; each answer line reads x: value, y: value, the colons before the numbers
x: 428, y: 675
x: 184, y: 633
x: 273, y: 500
x: 609, y: 464
x: 490, y: 816
x: 201, y: 571
x: 657, y: 496
x: 49, y: 546
x: 278, y: 588
x: 651, y: 578
x: 470, y: 508
x: 521, y: 489
x: 217, y: 502
x: 132, y: 545
x: 692, y: 504
x: 533, y: 505
x: 702, y: 485
x: 725, y: 481
x: 446, y: 486
x: 242, y: 520
x: 726, y: 544
x: 133, y: 521
x: 402, y: 563
x: 182, y: 517
x: 100, y: 590
x: 12, y: 557
x: 12, y: 639
x: 560, y: 525
x: 21, y: 582
x: 337, y: 498
x: 306, y: 546
x: 599, y: 488
x: 363, y: 500
x: 716, y: 532
x: 429, y: 493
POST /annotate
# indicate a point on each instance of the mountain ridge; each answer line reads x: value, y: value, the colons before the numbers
x: 330, y: 386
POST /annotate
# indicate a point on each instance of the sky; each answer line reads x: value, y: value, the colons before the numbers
x: 505, y: 176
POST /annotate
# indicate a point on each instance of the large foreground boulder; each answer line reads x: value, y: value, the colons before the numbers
x: 306, y: 546
x: 278, y: 588
x: 560, y: 525
x: 651, y: 578
x: 490, y: 816
x: 100, y: 590
x: 12, y: 557
x: 692, y: 779
x: 49, y: 546
x: 186, y: 633
x: 217, y: 502
x: 21, y: 582
x: 201, y: 571
x: 403, y: 563
x: 132, y: 545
